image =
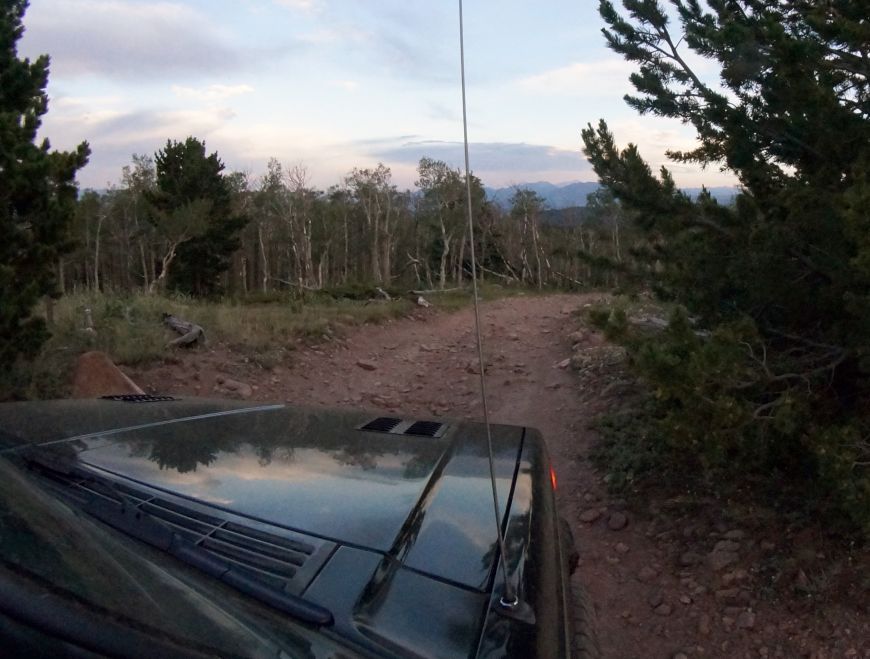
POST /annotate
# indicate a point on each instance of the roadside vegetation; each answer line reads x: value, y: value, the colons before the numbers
x: 757, y: 374
x: 265, y: 330
x: 759, y: 378
x: 257, y: 261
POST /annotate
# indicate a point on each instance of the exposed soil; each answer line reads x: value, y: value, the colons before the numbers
x: 668, y: 577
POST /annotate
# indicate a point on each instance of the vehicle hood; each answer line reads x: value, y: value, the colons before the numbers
x: 425, y: 501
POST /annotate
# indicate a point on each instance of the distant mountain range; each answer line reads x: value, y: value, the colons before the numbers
x: 574, y: 194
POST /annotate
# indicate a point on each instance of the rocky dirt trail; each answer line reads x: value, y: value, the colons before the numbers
x: 665, y: 582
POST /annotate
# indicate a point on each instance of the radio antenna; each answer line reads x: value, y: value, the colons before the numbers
x: 509, y: 599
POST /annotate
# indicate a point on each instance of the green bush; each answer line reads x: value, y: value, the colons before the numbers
x: 764, y: 370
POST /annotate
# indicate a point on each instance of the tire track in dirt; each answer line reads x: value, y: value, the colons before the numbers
x: 649, y: 604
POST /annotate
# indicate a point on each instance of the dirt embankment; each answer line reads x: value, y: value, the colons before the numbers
x: 667, y: 579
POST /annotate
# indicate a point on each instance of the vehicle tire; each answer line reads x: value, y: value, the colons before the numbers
x: 569, y: 547
x: 584, y: 634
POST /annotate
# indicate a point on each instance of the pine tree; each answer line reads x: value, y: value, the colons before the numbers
x: 187, y: 178
x: 775, y: 372
x: 37, y: 193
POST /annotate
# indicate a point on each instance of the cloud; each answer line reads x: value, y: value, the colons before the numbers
x: 116, y: 131
x: 126, y: 39
x: 212, y: 92
x: 442, y: 112
x: 486, y: 156
x: 301, y: 5
x: 602, y: 78
x: 409, y: 41
x: 347, y: 85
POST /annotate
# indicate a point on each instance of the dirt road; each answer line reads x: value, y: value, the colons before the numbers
x: 652, y: 575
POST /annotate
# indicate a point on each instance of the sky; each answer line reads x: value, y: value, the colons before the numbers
x: 335, y: 84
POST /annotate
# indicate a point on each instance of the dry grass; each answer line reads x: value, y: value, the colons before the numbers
x: 128, y: 327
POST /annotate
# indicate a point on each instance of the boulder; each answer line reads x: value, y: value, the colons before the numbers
x: 96, y: 375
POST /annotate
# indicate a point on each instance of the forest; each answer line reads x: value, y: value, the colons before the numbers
x: 763, y: 368
x: 178, y: 222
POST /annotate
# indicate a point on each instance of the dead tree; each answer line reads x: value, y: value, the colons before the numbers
x: 190, y: 332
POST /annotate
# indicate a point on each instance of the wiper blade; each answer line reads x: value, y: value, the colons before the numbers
x: 142, y: 526
x: 61, y: 462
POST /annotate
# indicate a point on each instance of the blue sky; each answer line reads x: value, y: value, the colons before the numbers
x: 334, y: 84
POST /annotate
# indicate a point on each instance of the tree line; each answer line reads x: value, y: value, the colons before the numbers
x: 178, y: 221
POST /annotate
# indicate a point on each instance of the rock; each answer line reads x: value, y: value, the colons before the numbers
x: 581, y: 360
x: 735, y: 534
x: 241, y: 388
x: 802, y: 582
x: 663, y: 610
x: 565, y: 363
x: 577, y: 337
x: 681, y: 655
x: 727, y: 545
x: 617, y: 521
x: 589, y: 516
x: 690, y: 558
x: 767, y: 545
x: 622, y: 548
x: 704, y: 625
x: 96, y: 375
x: 719, y: 560
x: 728, y: 595
x: 367, y: 365
x: 656, y: 599
x: 514, y: 337
x: 646, y: 574
x: 734, y: 576
x: 746, y: 620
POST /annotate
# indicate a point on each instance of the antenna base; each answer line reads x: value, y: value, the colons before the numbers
x: 517, y: 610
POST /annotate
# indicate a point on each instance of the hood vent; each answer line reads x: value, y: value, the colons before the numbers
x: 405, y: 427
x: 426, y: 429
x: 381, y: 424
x: 138, y: 398
x: 283, y: 560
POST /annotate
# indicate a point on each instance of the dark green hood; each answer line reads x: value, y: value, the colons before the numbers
x: 404, y: 517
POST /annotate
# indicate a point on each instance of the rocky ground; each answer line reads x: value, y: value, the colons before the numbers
x: 669, y: 577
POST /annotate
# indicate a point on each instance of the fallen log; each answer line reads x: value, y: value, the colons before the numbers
x: 436, y: 290
x: 383, y: 294
x: 190, y: 332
